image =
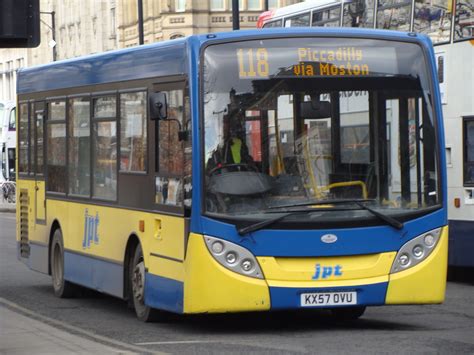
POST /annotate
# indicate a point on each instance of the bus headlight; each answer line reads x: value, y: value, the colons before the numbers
x: 416, y: 250
x: 233, y: 257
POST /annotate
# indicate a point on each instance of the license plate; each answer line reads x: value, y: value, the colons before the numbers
x: 322, y: 299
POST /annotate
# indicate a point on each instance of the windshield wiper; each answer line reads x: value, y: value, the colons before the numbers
x: 392, y: 222
x: 359, y: 202
x: 260, y: 225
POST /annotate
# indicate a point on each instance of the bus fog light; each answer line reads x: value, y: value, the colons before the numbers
x: 429, y: 240
x: 231, y: 257
x: 418, y: 251
x: 217, y: 247
x: 246, y: 265
x: 404, y: 259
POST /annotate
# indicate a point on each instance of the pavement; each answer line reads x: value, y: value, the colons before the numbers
x: 20, y: 334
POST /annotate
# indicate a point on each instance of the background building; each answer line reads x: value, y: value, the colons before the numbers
x: 84, y: 27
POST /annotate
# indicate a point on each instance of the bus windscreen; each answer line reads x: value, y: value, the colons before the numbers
x: 294, y: 120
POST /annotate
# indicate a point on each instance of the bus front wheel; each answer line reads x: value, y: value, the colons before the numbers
x: 137, y: 282
x: 61, y: 287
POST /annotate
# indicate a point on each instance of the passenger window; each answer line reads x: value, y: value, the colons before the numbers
x: 359, y: 13
x: 56, y: 146
x: 394, y: 15
x: 23, y: 142
x: 39, y: 122
x: 105, y: 148
x: 298, y: 21
x: 469, y: 151
x: 327, y: 18
x: 79, y: 146
x: 463, y: 25
x: 133, y: 132
x: 434, y: 19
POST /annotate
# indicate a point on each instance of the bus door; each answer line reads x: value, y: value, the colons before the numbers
x: 171, y: 142
x: 38, y: 159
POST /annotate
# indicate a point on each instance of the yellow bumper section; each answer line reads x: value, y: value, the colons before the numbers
x: 423, y: 283
x: 209, y: 287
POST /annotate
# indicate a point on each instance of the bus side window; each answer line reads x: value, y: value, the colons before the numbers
x: 23, y: 141
x: 56, y: 146
x: 104, y: 128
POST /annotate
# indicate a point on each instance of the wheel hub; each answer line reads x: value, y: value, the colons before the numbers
x: 138, y: 281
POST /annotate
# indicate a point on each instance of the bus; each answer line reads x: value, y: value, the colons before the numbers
x: 7, y: 140
x: 120, y: 188
x: 450, y: 26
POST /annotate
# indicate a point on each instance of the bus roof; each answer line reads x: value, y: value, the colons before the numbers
x: 161, y: 58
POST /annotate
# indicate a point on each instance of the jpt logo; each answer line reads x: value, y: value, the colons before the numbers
x: 91, y: 223
x: 323, y: 272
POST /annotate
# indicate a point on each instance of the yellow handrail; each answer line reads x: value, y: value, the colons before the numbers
x: 348, y: 183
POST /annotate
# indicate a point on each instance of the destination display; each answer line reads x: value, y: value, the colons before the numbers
x: 245, y: 65
x: 307, y: 61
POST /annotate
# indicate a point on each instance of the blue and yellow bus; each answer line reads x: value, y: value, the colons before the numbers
x: 244, y: 171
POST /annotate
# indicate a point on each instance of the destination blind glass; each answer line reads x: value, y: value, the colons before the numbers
x: 311, y: 57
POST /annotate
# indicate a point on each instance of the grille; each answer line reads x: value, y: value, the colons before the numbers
x: 24, y: 203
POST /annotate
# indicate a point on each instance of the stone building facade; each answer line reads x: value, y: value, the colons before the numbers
x: 85, y: 27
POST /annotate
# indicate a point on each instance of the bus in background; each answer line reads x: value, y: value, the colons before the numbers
x: 7, y: 140
x: 230, y: 172
x: 450, y: 25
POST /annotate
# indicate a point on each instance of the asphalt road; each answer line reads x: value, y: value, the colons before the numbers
x: 446, y: 329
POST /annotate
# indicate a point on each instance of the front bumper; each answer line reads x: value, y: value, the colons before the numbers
x: 211, y: 288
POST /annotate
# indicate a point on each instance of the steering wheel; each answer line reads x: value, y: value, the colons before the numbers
x: 247, y: 167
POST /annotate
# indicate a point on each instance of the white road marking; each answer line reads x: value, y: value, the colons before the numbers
x: 63, y: 325
x: 177, y: 342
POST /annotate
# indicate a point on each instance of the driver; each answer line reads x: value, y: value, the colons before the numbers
x: 235, y: 150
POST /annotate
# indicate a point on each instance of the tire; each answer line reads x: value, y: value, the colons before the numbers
x: 61, y: 287
x: 348, y: 313
x: 137, y: 288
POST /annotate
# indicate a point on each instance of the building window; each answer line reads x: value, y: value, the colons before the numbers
x: 105, y: 148
x: 254, y: 5
x: 273, y: 4
x: 469, y: 151
x: 241, y: 5
x: 56, y: 146
x: 179, y: 5
x: 112, y: 22
x: 217, y: 5
x: 79, y: 146
x: 133, y: 132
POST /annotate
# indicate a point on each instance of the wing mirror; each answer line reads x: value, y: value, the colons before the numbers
x: 158, y: 106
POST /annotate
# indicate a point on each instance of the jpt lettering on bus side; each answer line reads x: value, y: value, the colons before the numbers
x: 323, y: 272
x: 91, y: 224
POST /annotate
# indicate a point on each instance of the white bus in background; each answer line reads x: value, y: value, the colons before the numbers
x: 7, y: 140
x: 450, y: 25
